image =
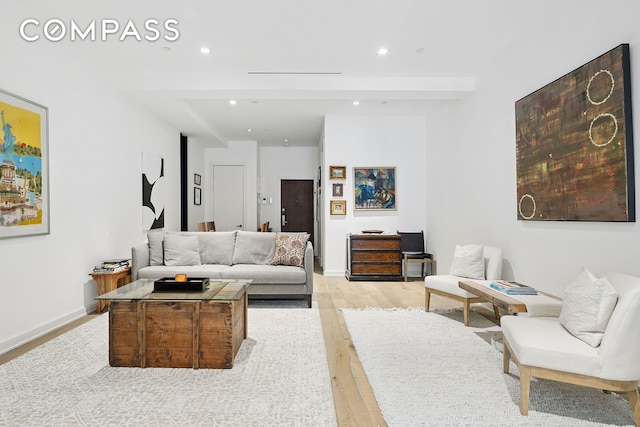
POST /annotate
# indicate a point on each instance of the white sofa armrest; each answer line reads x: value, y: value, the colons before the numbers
x: 308, y: 266
x: 139, y: 258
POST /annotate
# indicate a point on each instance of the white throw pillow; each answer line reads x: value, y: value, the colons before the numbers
x: 156, y: 250
x: 587, y: 305
x: 181, y: 250
x: 216, y: 248
x: 253, y: 247
x: 468, y: 261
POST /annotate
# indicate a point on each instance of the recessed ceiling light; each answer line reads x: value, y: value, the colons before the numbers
x: 286, y: 140
x: 420, y: 50
x: 383, y: 51
x: 249, y: 130
x: 232, y: 102
x: 356, y: 103
x: 205, y: 50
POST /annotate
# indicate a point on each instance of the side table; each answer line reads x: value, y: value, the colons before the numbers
x: 109, y: 281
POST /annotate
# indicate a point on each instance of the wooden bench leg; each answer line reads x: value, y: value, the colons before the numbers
x: 496, y: 311
x: 634, y: 401
x: 427, y: 300
x: 506, y: 356
x: 465, y: 312
x: 525, y: 384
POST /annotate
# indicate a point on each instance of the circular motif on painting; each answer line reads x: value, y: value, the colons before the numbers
x: 600, y: 87
x: 535, y: 127
x: 527, y: 206
x: 602, y: 126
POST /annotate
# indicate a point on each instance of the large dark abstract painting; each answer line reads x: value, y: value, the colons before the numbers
x: 574, y: 145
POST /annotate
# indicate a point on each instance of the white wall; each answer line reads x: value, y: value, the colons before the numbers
x: 96, y: 138
x: 355, y: 141
x: 238, y: 153
x: 276, y: 164
x: 471, y: 181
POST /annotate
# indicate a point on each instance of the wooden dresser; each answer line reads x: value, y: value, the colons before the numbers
x: 374, y: 257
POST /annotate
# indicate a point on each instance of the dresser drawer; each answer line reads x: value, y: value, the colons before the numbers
x: 375, y: 244
x: 377, y: 269
x: 380, y: 256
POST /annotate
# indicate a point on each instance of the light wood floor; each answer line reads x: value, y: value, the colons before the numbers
x: 352, y: 394
x: 354, y: 400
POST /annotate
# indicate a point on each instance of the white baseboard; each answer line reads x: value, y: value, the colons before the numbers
x: 333, y: 273
x: 31, y: 335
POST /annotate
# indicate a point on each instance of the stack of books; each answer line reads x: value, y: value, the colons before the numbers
x: 111, y: 265
x: 512, y: 288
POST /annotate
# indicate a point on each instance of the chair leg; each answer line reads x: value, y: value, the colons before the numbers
x: 525, y: 384
x: 465, y: 312
x: 506, y: 356
x: 634, y: 401
x: 427, y: 300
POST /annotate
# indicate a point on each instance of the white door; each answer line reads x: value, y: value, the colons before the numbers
x: 228, y: 197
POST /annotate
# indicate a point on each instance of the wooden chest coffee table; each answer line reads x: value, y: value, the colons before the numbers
x: 177, y: 330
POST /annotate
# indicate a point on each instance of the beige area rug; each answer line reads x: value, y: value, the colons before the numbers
x: 427, y: 369
x: 280, y: 378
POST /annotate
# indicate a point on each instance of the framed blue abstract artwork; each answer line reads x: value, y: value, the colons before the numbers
x: 374, y: 188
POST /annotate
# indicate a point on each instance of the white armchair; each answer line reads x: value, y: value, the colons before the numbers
x: 542, y: 347
x: 446, y: 285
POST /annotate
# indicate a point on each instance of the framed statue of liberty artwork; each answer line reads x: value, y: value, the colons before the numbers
x: 24, y: 173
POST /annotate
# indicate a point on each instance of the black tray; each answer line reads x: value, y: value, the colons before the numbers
x: 169, y: 284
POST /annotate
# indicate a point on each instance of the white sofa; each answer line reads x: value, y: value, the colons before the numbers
x: 226, y: 255
x: 446, y: 285
x: 542, y: 347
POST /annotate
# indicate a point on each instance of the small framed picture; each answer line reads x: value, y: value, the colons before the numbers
x: 338, y: 190
x: 338, y: 207
x: 337, y: 172
x: 197, y: 196
x: 197, y: 179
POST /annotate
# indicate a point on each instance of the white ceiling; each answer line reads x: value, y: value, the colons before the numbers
x: 436, y: 48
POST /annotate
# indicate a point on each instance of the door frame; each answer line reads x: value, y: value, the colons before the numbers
x: 316, y: 222
x: 313, y: 204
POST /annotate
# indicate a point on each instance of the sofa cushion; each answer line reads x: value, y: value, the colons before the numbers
x: 253, y: 247
x: 543, y: 342
x: 449, y: 284
x: 181, y: 249
x: 290, y: 249
x: 468, y: 261
x: 159, y: 272
x: 261, y: 274
x: 156, y: 248
x: 587, y: 305
x: 216, y: 248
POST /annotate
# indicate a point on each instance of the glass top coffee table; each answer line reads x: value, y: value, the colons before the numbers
x: 218, y: 290
x: 197, y: 329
